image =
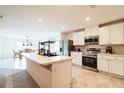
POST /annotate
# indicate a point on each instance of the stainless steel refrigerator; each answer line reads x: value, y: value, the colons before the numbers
x: 66, y: 46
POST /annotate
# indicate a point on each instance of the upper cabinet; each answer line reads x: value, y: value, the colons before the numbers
x: 95, y: 31
x: 104, y: 35
x: 92, y: 31
x: 78, y: 38
x: 113, y: 34
x: 81, y: 38
x: 75, y: 38
x: 117, y: 34
x: 87, y: 32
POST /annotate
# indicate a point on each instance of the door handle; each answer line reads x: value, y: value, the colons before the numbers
x: 108, y: 59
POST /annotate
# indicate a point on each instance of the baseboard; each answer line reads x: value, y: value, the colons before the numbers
x: 111, y: 74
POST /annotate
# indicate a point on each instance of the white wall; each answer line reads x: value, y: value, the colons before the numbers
x: 0, y: 47
x: 6, y: 47
x: 55, y: 37
x: 9, y: 43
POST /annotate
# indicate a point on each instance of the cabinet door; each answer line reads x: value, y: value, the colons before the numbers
x: 95, y: 31
x: 76, y: 58
x: 117, y: 67
x: 75, y: 38
x: 73, y: 57
x: 79, y: 59
x: 88, y: 32
x: 104, y: 35
x: 117, y: 34
x: 81, y: 38
x: 102, y: 64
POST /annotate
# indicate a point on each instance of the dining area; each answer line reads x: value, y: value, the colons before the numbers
x: 18, y: 53
x: 25, y: 46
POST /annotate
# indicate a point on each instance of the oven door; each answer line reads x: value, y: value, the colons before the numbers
x: 89, y: 61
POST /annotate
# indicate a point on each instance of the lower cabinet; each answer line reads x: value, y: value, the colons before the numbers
x: 111, y: 64
x: 102, y: 64
x: 76, y: 58
x: 116, y: 66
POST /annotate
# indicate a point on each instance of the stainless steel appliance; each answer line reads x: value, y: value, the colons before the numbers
x: 89, y: 59
x: 66, y: 46
x: 91, y: 40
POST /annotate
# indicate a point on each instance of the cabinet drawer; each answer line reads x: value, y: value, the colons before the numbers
x: 117, y: 58
x: 107, y: 58
x: 110, y: 58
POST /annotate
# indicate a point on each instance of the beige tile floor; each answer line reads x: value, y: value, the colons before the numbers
x: 83, y: 78
x: 12, y: 70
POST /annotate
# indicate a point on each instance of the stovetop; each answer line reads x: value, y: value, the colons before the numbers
x: 91, y: 52
x: 92, y: 56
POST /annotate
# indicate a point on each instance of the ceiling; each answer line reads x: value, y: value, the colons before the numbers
x: 21, y: 21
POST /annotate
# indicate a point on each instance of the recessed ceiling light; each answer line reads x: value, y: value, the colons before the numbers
x: 87, y: 19
x: 40, y: 30
x: 39, y: 20
x: 63, y: 27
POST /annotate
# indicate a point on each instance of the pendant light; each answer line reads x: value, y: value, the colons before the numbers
x: 27, y: 43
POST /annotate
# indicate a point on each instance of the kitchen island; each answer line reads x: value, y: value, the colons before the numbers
x: 49, y: 72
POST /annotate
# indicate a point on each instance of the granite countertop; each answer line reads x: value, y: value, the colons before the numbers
x: 106, y: 54
x: 45, y: 60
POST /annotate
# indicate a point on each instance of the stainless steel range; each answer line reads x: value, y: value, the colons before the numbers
x: 89, y: 59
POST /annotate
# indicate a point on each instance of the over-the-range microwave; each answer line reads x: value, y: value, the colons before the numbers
x: 91, y: 40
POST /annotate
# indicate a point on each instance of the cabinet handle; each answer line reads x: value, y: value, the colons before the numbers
x: 108, y: 59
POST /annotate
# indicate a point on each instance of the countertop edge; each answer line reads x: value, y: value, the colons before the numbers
x: 48, y: 62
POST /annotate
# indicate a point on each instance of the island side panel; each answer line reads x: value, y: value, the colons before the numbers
x: 40, y: 74
x: 62, y: 74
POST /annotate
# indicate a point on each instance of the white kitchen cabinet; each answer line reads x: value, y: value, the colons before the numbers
x: 104, y: 35
x: 73, y: 57
x: 102, y: 64
x: 116, y: 66
x: 92, y: 31
x: 117, y: 34
x: 76, y: 58
x: 95, y: 31
x: 87, y: 32
x: 81, y: 38
x: 75, y: 38
x: 110, y: 63
x: 78, y: 38
x: 113, y: 34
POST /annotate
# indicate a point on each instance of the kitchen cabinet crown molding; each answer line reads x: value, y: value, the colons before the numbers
x: 72, y: 31
x: 112, y: 22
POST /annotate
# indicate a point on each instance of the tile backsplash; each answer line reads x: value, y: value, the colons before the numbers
x: 116, y: 49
